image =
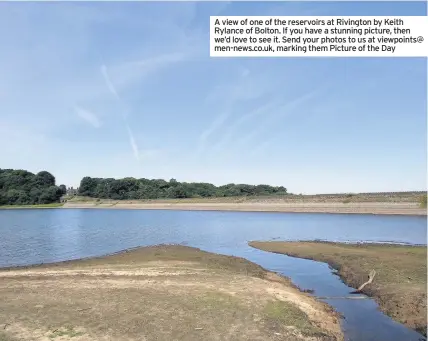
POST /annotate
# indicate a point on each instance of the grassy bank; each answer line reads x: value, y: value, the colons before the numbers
x: 159, y: 293
x: 11, y: 207
x: 342, y: 198
x: 400, y: 285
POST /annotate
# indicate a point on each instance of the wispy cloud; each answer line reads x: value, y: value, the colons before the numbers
x: 108, y: 82
x: 132, y: 142
x: 232, y: 130
x: 229, y: 98
x: 216, y: 124
x: 88, y: 116
x: 130, y: 72
x: 112, y: 89
x: 276, y: 115
x: 261, y: 147
x: 261, y: 120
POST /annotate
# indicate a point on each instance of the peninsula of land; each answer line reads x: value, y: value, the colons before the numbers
x: 165, y: 292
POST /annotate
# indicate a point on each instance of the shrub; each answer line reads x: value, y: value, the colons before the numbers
x: 423, y: 201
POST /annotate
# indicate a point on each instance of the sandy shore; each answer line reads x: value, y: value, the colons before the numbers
x: 388, y: 208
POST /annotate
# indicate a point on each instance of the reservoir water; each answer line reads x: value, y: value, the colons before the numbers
x: 50, y: 235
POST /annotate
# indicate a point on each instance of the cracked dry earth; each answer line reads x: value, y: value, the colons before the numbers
x: 158, y: 293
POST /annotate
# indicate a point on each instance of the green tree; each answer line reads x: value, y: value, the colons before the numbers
x: 34, y: 196
x: 131, y: 188
x: 44, y: 179
x: 87, y: 186
x: 20, y: 187
x: 12, y: 196
x: 178, y: 192
x: 63, y: 189
x: 50, y: 194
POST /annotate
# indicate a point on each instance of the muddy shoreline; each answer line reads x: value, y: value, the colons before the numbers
x: 280, y: 207
x: 161, y: 292
x: 399, y: 286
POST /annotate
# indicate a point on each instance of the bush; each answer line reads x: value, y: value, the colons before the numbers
x: 423, y: 201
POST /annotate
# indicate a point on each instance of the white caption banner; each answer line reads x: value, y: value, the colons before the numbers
x: 309, y: 36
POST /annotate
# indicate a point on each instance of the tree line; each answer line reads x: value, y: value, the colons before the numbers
x: 131, y: 188
x: 20, y: 187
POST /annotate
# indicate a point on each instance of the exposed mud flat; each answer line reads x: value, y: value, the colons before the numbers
x: 387, y: 208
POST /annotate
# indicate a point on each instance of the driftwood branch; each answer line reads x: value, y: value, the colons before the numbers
x: 372, y: 275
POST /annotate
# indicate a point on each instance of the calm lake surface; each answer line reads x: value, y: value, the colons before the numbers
x: 48, y: 235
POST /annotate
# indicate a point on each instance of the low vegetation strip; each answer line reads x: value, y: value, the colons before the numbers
x: 417, y: 198
x: 52, y: 205
x: 159, y: 293
x: 400, y: 285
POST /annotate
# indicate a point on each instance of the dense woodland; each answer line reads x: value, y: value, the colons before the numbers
x: 130, y: 188
x: 19, y: 187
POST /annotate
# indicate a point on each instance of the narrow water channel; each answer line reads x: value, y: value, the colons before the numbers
x: 363, y: 321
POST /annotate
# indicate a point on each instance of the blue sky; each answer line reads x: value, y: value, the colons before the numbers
x: 128, y: 89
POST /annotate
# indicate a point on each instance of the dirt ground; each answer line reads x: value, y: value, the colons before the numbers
x: 159, y: 293
x: 400, y: 284
x: 389, y: 208
x: 398, y: 203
